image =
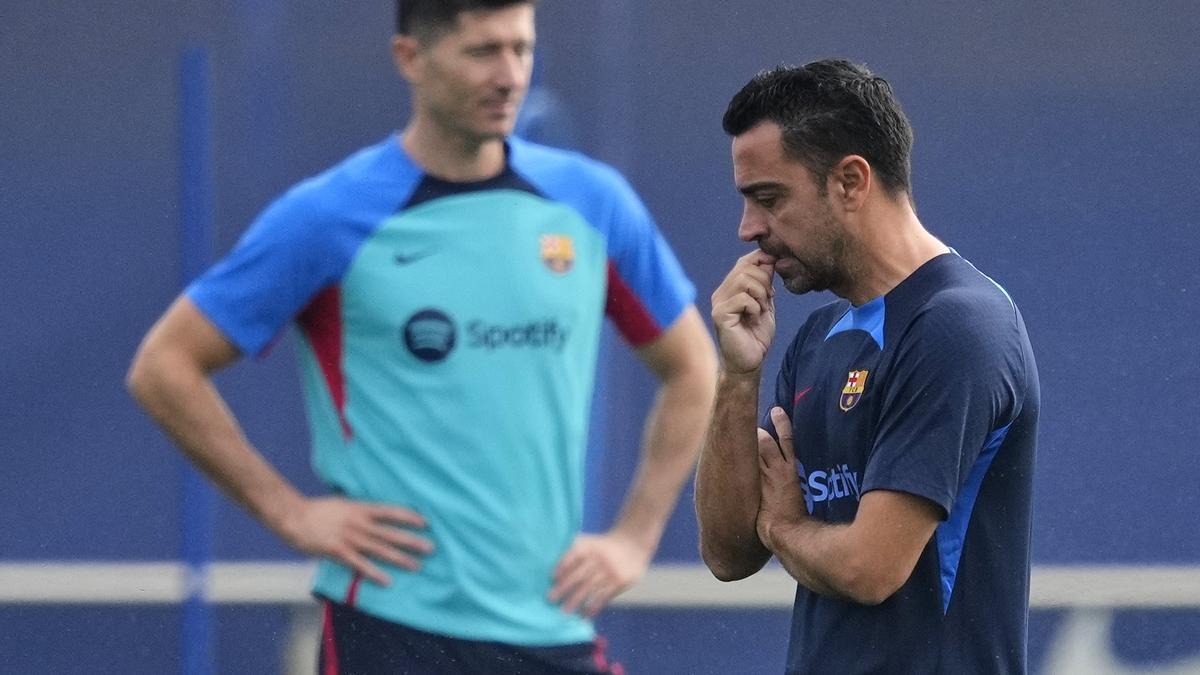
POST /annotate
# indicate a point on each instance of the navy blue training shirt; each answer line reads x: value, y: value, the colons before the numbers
x: 930, y: 390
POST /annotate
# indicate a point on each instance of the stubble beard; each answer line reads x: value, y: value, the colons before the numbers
x: 831, y: 268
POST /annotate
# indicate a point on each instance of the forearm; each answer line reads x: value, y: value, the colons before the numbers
x: 183, y: 401
x: 727, y: 481
x: 864, y: 561
x: 670, y: 445
x: 815, y: 555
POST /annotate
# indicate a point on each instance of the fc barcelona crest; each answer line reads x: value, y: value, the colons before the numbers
x: 558, y: 252
x: 853, y: 391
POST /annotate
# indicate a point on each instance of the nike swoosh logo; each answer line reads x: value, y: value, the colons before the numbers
x: 800, y: 395
x: 403, y: 259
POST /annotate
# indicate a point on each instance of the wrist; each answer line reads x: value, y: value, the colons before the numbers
x: 728, y: 376
x: 284, y: 515
x: 643, y: 539
x: 775, y: 531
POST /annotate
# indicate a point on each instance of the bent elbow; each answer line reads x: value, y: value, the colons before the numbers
x: 727, y: 566
x: 872, y: 587
x: 147, y: 373
x: 726, y: 572
x: 137, y: 378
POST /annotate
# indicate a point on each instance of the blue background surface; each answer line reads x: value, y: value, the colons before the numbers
x: 1055, y: 148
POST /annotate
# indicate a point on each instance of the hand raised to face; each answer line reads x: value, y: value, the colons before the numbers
x: 743, y: 312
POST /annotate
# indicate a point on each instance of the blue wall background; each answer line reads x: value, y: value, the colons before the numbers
x: 1056, y: 148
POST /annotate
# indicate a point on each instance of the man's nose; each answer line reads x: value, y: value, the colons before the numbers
x: 751, y: 228
x: 512, y: 71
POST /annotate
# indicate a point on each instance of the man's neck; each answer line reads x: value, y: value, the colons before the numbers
x: 452, y: 156
x: 893, y: 246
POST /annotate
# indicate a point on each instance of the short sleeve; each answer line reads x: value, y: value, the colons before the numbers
x: 954, y: 382
x: 271, y: 274
x: 647, y: 287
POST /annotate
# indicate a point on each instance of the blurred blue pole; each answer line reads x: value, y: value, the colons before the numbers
x: 196, y: 208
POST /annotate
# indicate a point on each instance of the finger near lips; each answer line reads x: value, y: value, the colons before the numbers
x: 762, y: 272
x: 756, y: 289
x: 758, y: 257
x: 751, y: 264
x: 730, y: 277
x: 733, y: 311
x: 752, y: 281
x: 748, y: 305
x: 752, y: 257
x: 764, y: 264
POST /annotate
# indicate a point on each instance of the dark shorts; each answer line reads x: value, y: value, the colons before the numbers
x: 353, y: 643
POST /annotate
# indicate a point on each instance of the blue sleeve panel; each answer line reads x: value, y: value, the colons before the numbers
x: 958, y: 378
x: 301, y: 244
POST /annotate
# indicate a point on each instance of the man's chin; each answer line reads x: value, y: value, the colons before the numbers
x: 797, y: 285
x: 498, y: 127
x: 495, y: 133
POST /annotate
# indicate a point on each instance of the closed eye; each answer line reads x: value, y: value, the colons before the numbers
x: 483, y: 51
x: 764, y: 194
x: 490, y: 49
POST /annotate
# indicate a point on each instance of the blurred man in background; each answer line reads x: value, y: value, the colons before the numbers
x: 448, y: 284
x: 892, y: 475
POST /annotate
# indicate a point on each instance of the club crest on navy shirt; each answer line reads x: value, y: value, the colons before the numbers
x: 853, y: 391
x: 558, y: 252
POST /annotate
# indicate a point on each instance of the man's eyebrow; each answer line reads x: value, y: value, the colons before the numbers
x: 493, y: 42
x: 751, y: 188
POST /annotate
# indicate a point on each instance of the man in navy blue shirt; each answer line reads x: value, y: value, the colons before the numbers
x: 892, y: 473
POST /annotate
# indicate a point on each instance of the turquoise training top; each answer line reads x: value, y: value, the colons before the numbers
x: 448, y: 342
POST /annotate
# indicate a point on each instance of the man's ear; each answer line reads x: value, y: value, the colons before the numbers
x: 406, y: 54
x: 850, y: 182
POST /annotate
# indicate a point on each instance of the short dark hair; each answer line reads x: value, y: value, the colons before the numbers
x: 827, y: 110
x: 426, y: 19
